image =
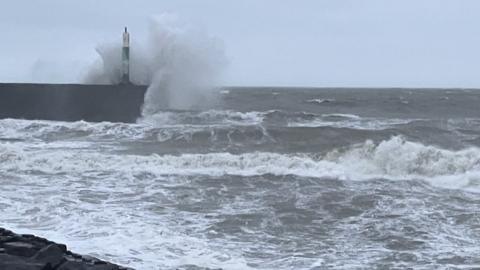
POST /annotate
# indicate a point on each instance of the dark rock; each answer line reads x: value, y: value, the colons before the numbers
x: 9, y: 262
x: 88, y: 259
x: 10, y: 238
x: 19, y: 249
x: 51, y: 254
x: 73, y: 265
x: 105, y: 267
x: 31, y: 236
x: 29, y: 252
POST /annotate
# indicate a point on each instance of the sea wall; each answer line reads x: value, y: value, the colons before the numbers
x: 71, y: 102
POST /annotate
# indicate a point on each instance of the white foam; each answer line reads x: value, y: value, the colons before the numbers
x: 210, y: 117
x: 224, y: 92
x: 162, y: 123
x: 34, y: 129
x: 351, y: 121
x: 111, y: 217
x: 342, y: 115
x: 119, y: 198
x: 320, y: 101
x: 391, y: 159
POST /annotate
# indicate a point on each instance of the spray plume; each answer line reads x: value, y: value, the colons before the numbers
x: 181, y: 65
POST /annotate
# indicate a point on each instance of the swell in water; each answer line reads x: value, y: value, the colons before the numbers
x: 393, y: 159
x: 195, y: 210
x: 285, y: 185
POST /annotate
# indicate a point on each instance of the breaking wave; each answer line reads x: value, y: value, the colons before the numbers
x: 213, y: 126
x: 179, y: 62
x: 390, y: 159
x: 352, y: 123
x: 210, y: 117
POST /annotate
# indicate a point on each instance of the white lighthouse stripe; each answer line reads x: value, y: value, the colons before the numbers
x: 126, y: 39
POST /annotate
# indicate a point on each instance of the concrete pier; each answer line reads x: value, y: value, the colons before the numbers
x: 71, y: 102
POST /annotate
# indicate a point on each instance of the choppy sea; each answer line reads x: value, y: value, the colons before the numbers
x: 267, y: 178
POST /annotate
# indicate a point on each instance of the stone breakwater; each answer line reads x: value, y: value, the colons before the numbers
x: 29, y: 252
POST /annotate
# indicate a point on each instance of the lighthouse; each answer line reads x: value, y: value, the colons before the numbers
x: 126, y: 57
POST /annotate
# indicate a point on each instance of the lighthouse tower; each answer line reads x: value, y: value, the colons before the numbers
x: 126, y: 57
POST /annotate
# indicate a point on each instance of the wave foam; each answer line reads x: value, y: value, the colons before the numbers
x: 361, y: 124
x: 391, y: 159
x: 40, y: 129
x: 211, y: 117
x: 320, y: 101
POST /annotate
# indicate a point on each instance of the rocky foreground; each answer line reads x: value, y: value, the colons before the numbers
x: 29, y: 252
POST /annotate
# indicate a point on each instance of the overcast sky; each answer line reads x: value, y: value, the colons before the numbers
x: 404, y: 43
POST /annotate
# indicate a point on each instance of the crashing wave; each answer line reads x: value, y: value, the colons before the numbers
x: 391, y: 159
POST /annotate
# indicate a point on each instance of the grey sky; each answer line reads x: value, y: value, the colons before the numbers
x: 424, y: 43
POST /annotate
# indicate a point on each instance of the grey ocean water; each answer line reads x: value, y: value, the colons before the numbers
x: 267, y: 178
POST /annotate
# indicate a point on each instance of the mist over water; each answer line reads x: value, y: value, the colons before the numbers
x: 180, y: 63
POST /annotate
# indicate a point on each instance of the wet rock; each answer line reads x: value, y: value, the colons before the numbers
x: 73, y: 265
x: 9, y: 262
x: 22, y: 249
x: 29, y: 252
x: 51, y: 254
x: 104, y: 267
